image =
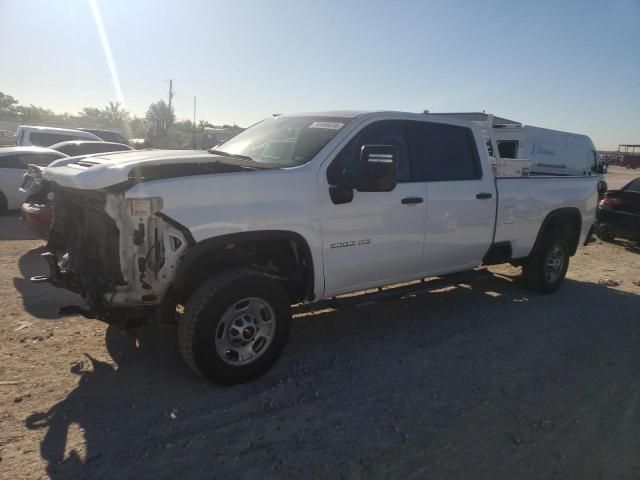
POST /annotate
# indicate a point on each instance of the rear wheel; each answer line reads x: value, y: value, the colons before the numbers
x: 546, y: 269
x: 235, y: 326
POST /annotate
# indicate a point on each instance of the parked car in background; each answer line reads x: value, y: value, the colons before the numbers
x: 36, y: 210
x: 618, y: 213
x: 83, y: 147
x: 13, y: 165
x: 107, y: 135
x: 7, y: 138
x: 28, y: 135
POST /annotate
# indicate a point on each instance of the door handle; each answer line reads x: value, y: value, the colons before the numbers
x: 412, y: 200
x: 484, y: 195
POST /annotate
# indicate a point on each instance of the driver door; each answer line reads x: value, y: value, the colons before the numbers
x: 377, y: 237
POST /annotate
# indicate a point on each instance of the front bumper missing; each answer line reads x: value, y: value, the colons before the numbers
x: 57, y: 277
x: 123, y: 316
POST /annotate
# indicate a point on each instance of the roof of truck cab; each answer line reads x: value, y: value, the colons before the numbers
x: 329, y: 114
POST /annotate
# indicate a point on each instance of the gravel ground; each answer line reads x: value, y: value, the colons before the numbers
x: 480, y: 381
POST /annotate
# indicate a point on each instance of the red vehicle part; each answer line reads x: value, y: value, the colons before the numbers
x: 37, y: 215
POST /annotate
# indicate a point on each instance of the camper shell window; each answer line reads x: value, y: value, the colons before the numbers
x: 508, y: 148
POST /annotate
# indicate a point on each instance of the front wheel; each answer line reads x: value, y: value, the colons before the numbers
x: 235, y: 326
x: 545, y: 271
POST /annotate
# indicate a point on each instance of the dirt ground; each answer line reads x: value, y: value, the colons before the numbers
x: 480, y: 381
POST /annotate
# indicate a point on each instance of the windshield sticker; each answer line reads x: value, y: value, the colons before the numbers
x: 327, y: 125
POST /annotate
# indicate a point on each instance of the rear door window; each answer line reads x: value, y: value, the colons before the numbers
x: 441, y: 152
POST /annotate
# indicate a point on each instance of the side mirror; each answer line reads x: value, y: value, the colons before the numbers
x: 378, y: 165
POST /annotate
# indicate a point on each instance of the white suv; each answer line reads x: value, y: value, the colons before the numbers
x: 13, y: 165
x: 47, y: 136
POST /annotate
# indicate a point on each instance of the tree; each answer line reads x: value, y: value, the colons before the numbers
x: 183, y: 125
x: 32, y: 114
x: 8, y: 105
x: 202, y: 124
x: 160, y: 116
x: 111, y: 116
x: 137, y: 128
x: 92, y: 116
x: 114, y: 115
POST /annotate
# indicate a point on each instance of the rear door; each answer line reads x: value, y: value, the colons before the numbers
x: 461, y: 200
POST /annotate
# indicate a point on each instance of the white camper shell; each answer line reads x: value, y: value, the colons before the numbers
x: 541, y: 151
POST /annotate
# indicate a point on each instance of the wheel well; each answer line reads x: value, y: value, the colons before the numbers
x: 566, y: 221
x: 284, y: 255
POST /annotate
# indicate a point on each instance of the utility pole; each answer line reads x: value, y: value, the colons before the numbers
x: 170, y: 93
x: 194, y: 122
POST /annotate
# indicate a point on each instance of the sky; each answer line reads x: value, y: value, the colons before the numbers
x: 567, y: 65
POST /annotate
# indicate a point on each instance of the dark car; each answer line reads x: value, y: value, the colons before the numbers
x: 618, y: 213
x: 75, y: 148
x: 107, y: 135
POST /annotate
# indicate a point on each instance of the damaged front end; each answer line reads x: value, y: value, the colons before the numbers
x: 119, y: 253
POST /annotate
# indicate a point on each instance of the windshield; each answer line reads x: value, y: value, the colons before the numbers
x: 284, y: 141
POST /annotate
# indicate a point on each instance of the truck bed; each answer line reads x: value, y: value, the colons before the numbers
x: 524, y: 202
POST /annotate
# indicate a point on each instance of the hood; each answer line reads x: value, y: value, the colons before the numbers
x: 94, y: 172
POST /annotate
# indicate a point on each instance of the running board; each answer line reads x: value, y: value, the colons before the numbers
x: 382, y: 294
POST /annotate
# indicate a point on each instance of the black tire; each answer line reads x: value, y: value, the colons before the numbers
x: 534, y: 270
x: 3, y: 204
x: 206, y: 325
x: 603, y: 234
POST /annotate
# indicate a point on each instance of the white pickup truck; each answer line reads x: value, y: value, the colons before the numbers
x: 297, y: 209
